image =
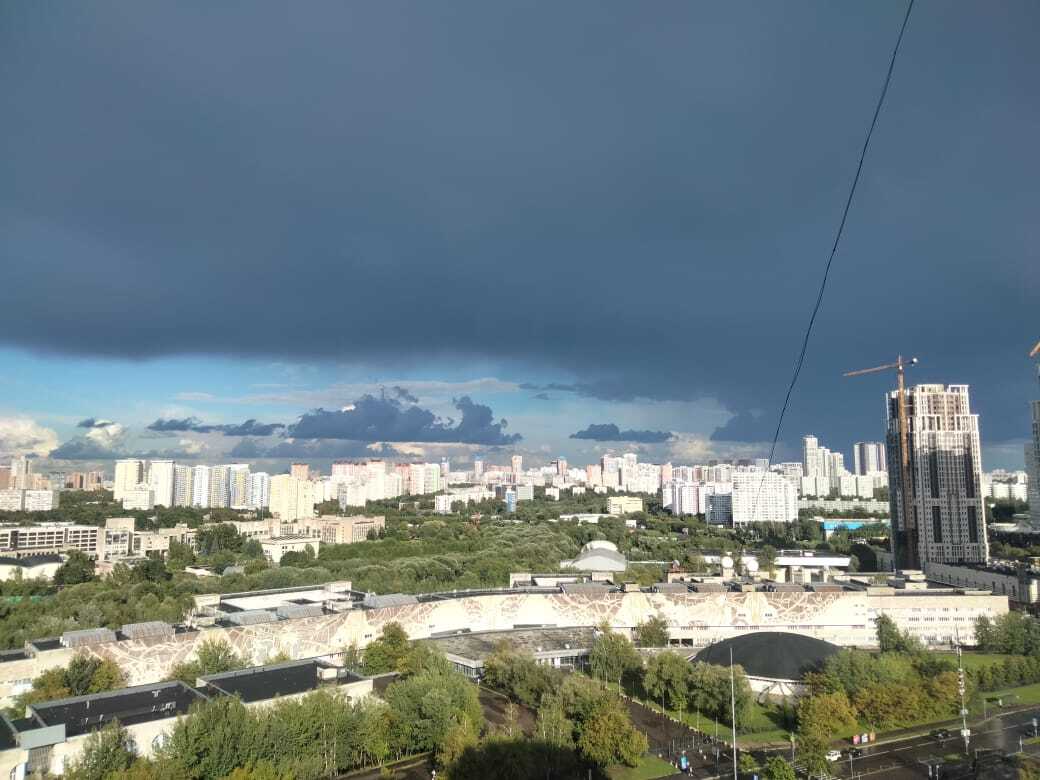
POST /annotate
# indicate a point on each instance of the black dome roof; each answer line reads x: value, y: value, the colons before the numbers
x: 775, y: 654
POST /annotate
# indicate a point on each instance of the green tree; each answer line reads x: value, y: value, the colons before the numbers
x: 107, y: 753
x: 653, y: 632
x: 766, y: 558
x: 612, y: 656
x: 777, y: 768
x: 891, y: 640
x: 386, y: 653
x: 747, y: 764
x: 213, y: 657
x: 667, y: 679
x: 78, y: 568
x: 608, y: 737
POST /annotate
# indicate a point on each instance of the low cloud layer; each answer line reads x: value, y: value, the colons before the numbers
x: 22, y: 436
x: 372, y: 419
x: 610, y: 432
x: 248, y: 428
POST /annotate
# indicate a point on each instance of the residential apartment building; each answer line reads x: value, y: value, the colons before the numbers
x: 161, y: 481
x: 868, y: 457
x: 763, y: 497
x: 182, y: 485
x: 200, y: 486
x: 291, y: 498
x: 947, y: 521
x: 129, y: 473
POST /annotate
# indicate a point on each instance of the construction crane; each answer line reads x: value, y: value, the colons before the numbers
x: 909, y: 557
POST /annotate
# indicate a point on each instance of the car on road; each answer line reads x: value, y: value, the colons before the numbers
x: 834, y: 755
x: 855, y: 752
x: 941, y: 734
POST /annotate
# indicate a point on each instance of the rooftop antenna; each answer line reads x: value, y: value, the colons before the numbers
x: 906, y: 558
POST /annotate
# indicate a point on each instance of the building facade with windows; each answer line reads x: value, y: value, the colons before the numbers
x: 946, y: 522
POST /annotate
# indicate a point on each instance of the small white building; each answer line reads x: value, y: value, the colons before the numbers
x: 599, y: 555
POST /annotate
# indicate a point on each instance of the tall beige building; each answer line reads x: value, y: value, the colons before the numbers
x: 291, y: 498
x: 129, y: 474
x: 300, y: 471
x: 947, y: 520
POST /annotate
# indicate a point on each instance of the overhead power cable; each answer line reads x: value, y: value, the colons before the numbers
x: 837, y: 241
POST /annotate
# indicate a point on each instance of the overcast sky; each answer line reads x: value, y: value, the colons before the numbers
x: 471, y: 227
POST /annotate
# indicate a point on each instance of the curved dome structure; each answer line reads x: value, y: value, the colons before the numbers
x: 771, y: 655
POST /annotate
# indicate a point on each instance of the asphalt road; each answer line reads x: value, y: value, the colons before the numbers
x: 927, y: 756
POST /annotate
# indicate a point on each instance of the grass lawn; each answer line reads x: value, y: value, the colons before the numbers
x: 1026, y: 694
x: 649, y: 767
x: 975, y: 660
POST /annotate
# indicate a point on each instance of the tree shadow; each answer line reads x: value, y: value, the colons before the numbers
x: 522, y: 759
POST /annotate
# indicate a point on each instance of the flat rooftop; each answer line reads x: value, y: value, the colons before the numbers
x: 245, y: 602
x: 143, y: 703
x: 478, y: 646
x: 267, y: 682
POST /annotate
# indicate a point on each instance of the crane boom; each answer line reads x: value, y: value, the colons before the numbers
x: 904, y: 550
x: 1036, y: 350
x: 874, y: 370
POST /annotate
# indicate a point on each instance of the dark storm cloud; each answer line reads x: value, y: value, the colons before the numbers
x: 662, y: 187
x: 93, y: 422
x: 746, y: 427
x: 248, y: 428
x: 541, y: 397
x: 610, y: 432
x: 372, y: 419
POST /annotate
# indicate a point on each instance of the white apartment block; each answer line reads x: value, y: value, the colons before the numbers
x: 200, y: 486
x: 259, y: 490
x: 129, y: 473
x: 238, y: 486
x: 12, y: 500
x: 41, y: 500
x: 161, y: 480
x: 868, y: 457
x: 182, y: 485
x: 947, y: 524
x: 141, y: 498
x: 220, y: 486
x: 763, y: 497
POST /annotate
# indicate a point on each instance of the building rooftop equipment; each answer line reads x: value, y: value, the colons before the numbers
x: 251, y: 617
x: 292, y: 611
x: 88, y: 636
x: 377, y: 601
x: 149, y: 630
x: 586, y: 588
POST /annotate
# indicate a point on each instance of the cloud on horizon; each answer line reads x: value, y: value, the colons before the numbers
x: 248, y: 428
x: 372, y: 419
x: 610, y: 432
